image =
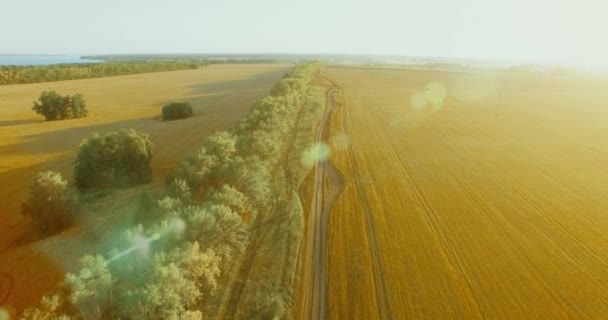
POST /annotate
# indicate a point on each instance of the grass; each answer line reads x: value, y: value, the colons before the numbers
x: 490, y: 206
x: 221, y: 94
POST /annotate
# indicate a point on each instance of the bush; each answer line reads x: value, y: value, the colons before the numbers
x: 50, y: 205
x: 54, y: 106
x: 120, y: 158
x: 177, y: 110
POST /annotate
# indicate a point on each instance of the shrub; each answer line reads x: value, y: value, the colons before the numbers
x: 177, y: 110
x: 120, y: 158
x: 54, y: 106
x: 50, y: 205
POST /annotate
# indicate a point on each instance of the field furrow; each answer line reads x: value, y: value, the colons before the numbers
x: 492, y: 208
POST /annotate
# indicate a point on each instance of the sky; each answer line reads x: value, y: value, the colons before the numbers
x: 571, y: 31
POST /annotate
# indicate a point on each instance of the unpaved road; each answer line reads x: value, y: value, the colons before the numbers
x: 327, y: 185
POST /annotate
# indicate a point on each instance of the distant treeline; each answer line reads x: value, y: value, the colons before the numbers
x: 205, y: 59
x: 32, y: 74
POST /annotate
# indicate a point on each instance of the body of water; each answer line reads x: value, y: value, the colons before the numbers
x: 23, y: 60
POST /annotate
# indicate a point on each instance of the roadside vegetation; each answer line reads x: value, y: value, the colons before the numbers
x: 231, y: 199
x: 177, y: 110
x: 54, y: 106
x: 71, y: 71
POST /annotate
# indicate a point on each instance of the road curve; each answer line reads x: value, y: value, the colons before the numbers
x: 327, y: 186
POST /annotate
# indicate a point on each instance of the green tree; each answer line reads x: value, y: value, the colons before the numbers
x: 91, y: 289
x: 177, y: 110
x: 78, y: 106
x: 119, y: 158
x: 50, y: 204
x: 178, y: 282
x: 50, y: 308
x: 179, y: 189
x: 217, y: 226
x: 54, y: 106
x: 232, y: 198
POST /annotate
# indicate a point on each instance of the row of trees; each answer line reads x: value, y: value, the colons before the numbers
x: 45, y: 73
x: 202, y: 59
x: 170, y: 268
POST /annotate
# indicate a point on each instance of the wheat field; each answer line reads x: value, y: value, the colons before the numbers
x: 483, y: 199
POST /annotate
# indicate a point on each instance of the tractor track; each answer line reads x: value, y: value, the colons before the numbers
x: 377, y: 266
x: 328, y: 184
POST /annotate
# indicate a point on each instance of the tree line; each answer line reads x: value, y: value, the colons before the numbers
x: 173, y: 262
x: 204, y: 59
x: 46, y: 73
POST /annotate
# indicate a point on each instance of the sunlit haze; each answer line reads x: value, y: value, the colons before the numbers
x: 539, y: 31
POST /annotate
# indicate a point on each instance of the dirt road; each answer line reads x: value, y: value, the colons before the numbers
x: 327, y: 185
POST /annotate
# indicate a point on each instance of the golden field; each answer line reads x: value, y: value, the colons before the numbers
x: 491, y: 205
x: 220, y: 96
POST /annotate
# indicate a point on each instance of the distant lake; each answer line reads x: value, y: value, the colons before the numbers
x: 22, y: 60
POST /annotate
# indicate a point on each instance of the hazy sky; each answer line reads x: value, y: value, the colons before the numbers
x: 545, y: 30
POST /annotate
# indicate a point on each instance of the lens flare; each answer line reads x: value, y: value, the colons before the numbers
x: 177, y: 225
x: 418, y: 101
x: 339, y: 141
x: 318, y: 152
x: 85, y: 273
x: 142, y: 244
x: 4, y: 315
x: 473, y: 87
x: 435, y: 93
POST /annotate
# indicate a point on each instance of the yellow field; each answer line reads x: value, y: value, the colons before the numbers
x: 220, y: 95
x: 493, y: 206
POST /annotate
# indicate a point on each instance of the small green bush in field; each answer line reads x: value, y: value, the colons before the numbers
x: 177, y: 110
x: 119, y: 158
x: 54, y: 106
x: 50, y: 204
